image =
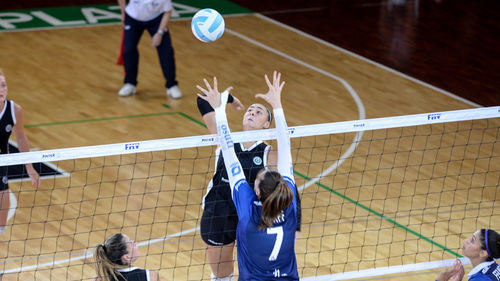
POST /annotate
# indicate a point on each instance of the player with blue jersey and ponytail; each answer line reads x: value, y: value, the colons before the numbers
x: 268, y: 212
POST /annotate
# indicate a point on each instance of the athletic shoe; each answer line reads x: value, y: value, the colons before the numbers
x: 127, y: 90
x: 174, y: 92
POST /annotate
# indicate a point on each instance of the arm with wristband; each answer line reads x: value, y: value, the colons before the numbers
x: 208, y: 114
x: 158, y: 36
x: 218, y: 101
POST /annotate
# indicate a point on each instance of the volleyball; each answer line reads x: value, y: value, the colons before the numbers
x: 207, y: 25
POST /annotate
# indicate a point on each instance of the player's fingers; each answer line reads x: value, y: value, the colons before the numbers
x: 204, y: 97
x: 267, y: 81
x: 215, y: 83
x: 201, y: 89
x: 209, y: 88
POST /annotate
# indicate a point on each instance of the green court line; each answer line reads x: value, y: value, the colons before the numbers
x: 99, y: 119
x: 295, y: 172
x: 187, y: 116
x: 117, y: 118
x: 192, y: 119
x: 379, y: 214
x: 359, y: 204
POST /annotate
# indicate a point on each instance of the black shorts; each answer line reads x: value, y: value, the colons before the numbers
x: 219, y: 222
x: 220, y: 219
x: 3, y: 178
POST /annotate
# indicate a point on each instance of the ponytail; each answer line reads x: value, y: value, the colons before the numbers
x: 108, y: 257
x: 275, y: 197
x: 490, y: 241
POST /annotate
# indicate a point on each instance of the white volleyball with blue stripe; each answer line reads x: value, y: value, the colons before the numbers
x: 207, y: 25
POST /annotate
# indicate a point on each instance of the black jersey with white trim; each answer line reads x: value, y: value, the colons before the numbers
x: 133, y: 274
x: 252, y: 160
x: 7, y: 122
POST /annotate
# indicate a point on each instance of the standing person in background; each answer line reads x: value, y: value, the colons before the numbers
x: 114, y: 260
x: 267, y: 212
x: 11, y: 119
x: 481, y: 249
x: 153, y: 15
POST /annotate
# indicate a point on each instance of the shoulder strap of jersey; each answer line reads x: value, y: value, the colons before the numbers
x: 13, y: 111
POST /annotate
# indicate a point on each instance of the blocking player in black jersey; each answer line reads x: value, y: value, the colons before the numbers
x: 219, y: 219
x: 11, y: 120
x: 115, y: 258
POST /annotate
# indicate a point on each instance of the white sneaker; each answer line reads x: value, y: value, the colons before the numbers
x: 2, y: 230
x: 127, y: 90
x: 174, y: 92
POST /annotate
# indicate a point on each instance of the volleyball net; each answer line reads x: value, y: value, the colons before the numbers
x: 379, y: 196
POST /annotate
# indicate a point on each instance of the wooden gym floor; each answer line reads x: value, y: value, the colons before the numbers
x: 68, y: 85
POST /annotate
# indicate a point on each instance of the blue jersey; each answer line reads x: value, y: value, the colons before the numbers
x: 490, y: 272
x: 262, y: 254
x: 265, y: 254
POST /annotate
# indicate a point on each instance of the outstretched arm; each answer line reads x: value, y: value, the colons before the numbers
x: 22, y: 143
x: 218, y: 103
x: 273, y: 97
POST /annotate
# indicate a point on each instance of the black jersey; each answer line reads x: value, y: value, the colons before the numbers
x: 252, y: 160
x: 133, y: 274
x: 219, y: 220
x: 7, y: 122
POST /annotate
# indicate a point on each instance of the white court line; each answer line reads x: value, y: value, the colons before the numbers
x: 289, y: 28
x: 352, y: 147
x: 370, y: 61
x: 352, y: 92
x: 13, y: 205
x: 12, y: 197
x: 362, y: 115
x: 89, y: 252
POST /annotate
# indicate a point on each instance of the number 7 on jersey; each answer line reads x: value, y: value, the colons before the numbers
x: 277, y: 244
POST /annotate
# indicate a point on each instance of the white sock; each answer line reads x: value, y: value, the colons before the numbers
x: 227, y: 278
x: 3, y: 229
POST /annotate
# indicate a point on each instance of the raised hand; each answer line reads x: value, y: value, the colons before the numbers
x: 211, y: 94
x: 459, y: 271
x: 273, y: 96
